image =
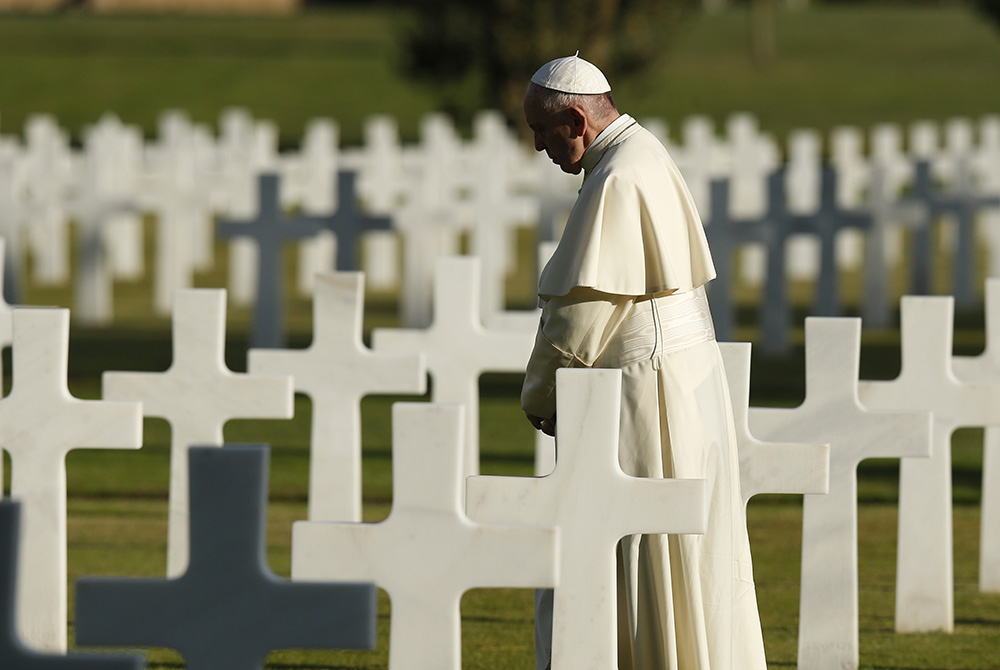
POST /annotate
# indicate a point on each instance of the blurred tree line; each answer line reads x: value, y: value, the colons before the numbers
x: 481, y: 53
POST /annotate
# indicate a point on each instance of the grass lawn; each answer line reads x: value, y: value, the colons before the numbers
x: 836, y: 64
x: 839, y: 64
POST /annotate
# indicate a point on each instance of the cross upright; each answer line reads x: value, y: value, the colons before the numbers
x: 827, y: 222
x: 924, y: 561
x: 198, y: 394
x: 457, y: 346
x: 832, y: 413
x: 336, y: 371
x: 427, y: 553
x: 963, y: 205
x: 775, y: 311
x: 348, y: 222
x: 769, y: 467
x: 13, y: 653
x: 228, y: 610
x: 270, y: 230
x: 40, y: 423
x: 985, y: 369
x: 589, y: 525
x: 725, y: 237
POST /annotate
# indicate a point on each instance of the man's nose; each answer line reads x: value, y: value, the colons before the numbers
x: 539, y: 144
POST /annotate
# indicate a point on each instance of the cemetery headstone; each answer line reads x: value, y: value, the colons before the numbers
x: 228, y: 610
x: 457, y: 346
x: 589, y: 526
x: 831, y: 413
x: 984, y: 369
x: 270, y: 230
x: 40, y: 423
x: 924, y: 566
x: 198, y: 394
x: 336, y: 371
x: 427, y: 553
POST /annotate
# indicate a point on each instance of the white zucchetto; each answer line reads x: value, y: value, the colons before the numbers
x: 571, y: 74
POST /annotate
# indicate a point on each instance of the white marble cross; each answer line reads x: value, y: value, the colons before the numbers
x: 981, y: 369
x: 336, y: 371
x: 769, y: 467
x: 198, y: 394
x: 925, y: 591
x: 457, y: 346
x: 427, y: 553
x: 831, y: 412
x: 40, y: 423
x: 584, y: 633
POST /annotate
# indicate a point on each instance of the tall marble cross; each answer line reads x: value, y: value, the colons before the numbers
x: 198, y: 394
x: 228, y: 610
x: 584, y: 633
x: 963, y: 205
x: 40, y: 423
x: 427, y: 553
x: 14, y: 654
x: 336, y: 371
x: 769, y: 467
x: 457, y: 346
x: 831, y: 413
x: 925, y: 591
x: 271, y: 230
x: 985, y: 369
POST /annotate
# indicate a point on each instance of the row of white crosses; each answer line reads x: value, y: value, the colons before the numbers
x: 197, y: 394
x: 435, y: 191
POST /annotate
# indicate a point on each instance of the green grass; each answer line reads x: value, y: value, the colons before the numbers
x: 838, y: 64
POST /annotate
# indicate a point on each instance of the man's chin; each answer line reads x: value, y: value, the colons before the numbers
x: 575, y: 168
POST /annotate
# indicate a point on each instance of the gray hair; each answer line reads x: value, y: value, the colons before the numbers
x: 597, y: 105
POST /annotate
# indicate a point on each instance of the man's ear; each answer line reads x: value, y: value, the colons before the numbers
x: 578, y: 121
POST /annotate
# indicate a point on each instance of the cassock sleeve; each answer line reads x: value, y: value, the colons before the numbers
x: 573, y: 332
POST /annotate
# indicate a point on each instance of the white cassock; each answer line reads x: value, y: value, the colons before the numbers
x: 625, y: 289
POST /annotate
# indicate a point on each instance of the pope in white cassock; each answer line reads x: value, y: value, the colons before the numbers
x: 625, y: 289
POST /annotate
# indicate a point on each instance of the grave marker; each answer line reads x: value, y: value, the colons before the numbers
x: 228, y: 610
x: 40, y: 423
x: 769, y: 467
x: 349, y: 223
x: 584, y: 633
x: 427, y: 553
x: 336, y: 371
x: 924, y: 565
x: 270, y: 230
x: 198, y: 394
x: 963, y: 205
x: 457, y: 346
x: 984, y: 369
x: 13, y: 653
x: 831, y: 412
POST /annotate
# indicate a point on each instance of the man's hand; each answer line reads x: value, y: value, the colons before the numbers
x: 547, y: 426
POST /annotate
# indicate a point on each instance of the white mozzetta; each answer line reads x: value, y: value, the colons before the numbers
x: 40, y: 423
x: 336, y: 371
x: 831, y: 412
x: 427, y: 552
x: 924, y: 563
x: 198, y: 394
x: 589, y: 524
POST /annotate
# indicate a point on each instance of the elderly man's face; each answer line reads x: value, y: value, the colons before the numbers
x: 558, y: 134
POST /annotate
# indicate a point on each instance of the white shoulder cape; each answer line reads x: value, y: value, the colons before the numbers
x: 634, y: 229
